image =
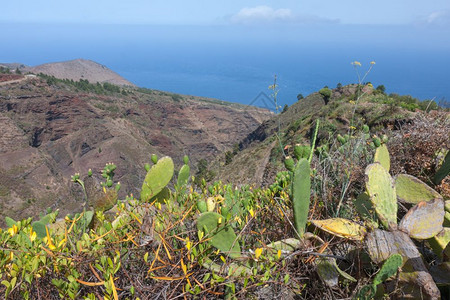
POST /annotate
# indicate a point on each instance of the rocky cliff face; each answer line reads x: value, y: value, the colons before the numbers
x: 50, y: 132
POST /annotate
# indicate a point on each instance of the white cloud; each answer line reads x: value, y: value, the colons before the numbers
x: 267, y: 14
x: 261, y: 14
x: 441, y: 17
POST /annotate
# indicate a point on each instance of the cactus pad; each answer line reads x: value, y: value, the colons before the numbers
x: 201, y: 205
x: 440, y: 241
x: 411, y: 190
x: 389, y: 268
x: 10, y: 222
x: 443, y: 171
x: 221, y: 236
x: 382, y: 156
x: 301, y: 192
x: 381, y: 190
x: 342, y: 228
x: 424, y: 220
x: 365, y: 209
x: 183, y: 175
x: 157, y: 178
x: 39, y: 228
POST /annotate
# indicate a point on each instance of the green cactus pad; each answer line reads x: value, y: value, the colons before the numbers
x: 389, y: 268
x: 443, y: 171
x: 289, y: 163
x: 157, y: 178
x: 382, y: 156
x: 39, y: 228
x: 447, y: 205
x: 424, y: 220
x: 161, y: 196
x: 221, y: 236
x: 440, y: 241
x: 183, y: 175
x: 380, y: 187
x: 301, y: 151
x: 447, y: 219
x: 342, y: 228
x: 201, y: 205
x: 367, y: 292
x: 301, y: 192
x: 366, y: 210
x: 411, y: 190
x: 10, y: 222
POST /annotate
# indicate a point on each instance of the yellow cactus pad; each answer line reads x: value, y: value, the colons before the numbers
x: 440, y: 241
x: 382, y: 156
x: 424, y: 220
x: 381, y: 189
x: 412, y: 190
x: 342, y: 227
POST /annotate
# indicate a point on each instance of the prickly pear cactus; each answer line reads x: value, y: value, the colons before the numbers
x: 39, y: 228
x: 301, y: 151
x: 222, y: 235
x: 157, y: 178
x: 389, y: 268
x: 289, y: 163
x: 382, y: 156
x: 301, y: 191
x: 342, y: 228
x: 183, y: 175
x: 10, y: 222
x: 424, y: 220
x: 440, y: 241
x: 380, y: 187
x: 412, y: 190
x: 365, y: 209
x: 443, y: 171
x: 201, y: 205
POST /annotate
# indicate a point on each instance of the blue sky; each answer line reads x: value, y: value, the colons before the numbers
x: 208, y: 12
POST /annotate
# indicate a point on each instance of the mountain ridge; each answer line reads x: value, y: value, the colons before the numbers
x: 76, y: 69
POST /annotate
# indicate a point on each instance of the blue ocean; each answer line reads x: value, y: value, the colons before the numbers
x: 236, y: 65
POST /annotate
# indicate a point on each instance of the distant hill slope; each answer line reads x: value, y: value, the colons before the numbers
x: 261, y: 152
x: 75, y: 69
x: 52, y: 130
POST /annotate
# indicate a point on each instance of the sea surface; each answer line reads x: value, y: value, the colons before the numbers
x: 235, y: 66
